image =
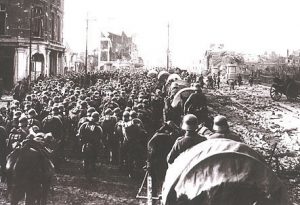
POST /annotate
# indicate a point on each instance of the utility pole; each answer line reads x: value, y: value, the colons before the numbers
x: 86, y: 43
x: 30, y: 44
x: 168, y: 50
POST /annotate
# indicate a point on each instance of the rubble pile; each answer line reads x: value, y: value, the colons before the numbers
x: 262, y: 123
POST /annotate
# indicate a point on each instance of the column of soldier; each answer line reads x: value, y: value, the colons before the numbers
x: 82, y: 115
x: 108, y: 117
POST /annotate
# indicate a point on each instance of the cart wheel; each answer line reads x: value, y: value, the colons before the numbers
x: 292, y: 91
x: 274, y: 93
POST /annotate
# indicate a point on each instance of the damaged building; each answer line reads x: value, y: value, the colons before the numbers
x: 30, y: 28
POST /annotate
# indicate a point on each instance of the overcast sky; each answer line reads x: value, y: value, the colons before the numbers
x: 249, y: 26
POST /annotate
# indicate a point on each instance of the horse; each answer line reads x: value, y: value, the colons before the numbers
x: 29, y: 173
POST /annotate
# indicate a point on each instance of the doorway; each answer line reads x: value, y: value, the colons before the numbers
x: 7, y: 67
x: 37, y: 66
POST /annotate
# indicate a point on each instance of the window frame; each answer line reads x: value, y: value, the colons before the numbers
x: 4, y: 12
x: 37, y: 22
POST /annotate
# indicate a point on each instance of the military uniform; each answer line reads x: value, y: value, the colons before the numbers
x: 191, y: 138
x: 197, y: 104
x: 108, y: 123
x: 182, y: 144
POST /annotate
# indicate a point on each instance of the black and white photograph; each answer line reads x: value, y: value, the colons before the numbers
x: 150, y: 102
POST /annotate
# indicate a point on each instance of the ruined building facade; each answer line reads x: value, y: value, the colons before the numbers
x: 30, y: 23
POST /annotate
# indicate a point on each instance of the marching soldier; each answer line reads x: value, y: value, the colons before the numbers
x: 239, y: 80
x: 108, y: 123
x: 32, y: 115
x: 135, y: 142
x: 53, y: 124
x: 251, y: 80
x: 170, y: 113
x: 221, y: 129
x: 157, y: 105
x: 14, y: 122
x: 18, y: 135
x: 197, y: 104
x: 117, y: 114
x: 90, y: 134
x: 19, y: 91
x: 190, y: 139
x: 201, y: 80
x: 119, y: 134
x: 85, y: 118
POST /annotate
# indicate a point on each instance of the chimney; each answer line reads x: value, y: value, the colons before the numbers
x: 288, y: 53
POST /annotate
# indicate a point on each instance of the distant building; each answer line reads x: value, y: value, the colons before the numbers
x: 46, y: 17
x: 213, y: 59
x: 293, y: 59
x: 74, y: 62
x: 250, y: 59
x: 116, y: 50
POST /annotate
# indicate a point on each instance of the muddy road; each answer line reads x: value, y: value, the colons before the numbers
x: 261, y: 122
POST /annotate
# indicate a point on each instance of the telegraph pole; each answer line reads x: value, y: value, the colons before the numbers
x: 86, y: 43
x: 168, y: 50
x: 30, y: 44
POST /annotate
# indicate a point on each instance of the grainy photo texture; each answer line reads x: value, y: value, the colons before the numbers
x: 161, y: 102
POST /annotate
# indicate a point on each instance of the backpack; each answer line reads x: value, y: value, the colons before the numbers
x: 108, y: 124
x: 91, y: 133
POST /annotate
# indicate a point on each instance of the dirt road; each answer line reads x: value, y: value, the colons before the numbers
x: 263, y: 123
x: 260, y: 121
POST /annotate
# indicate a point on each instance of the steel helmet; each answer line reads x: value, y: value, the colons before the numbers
x: 88, y: 99
x: 56, y: 99
x: 72, y: 98
x: 189, y: 122
x: 196, y: 87
x: 83, y: 104
x: 28, y: 97
x: 220, y: 124
x: 108, y: 111
x: 55, y: 109
x: 128, y: 109
x: 82, y: 97
x: 16, y: 102
x: 89, y: 94
x: 32, y: 113
x: 140, y: 106
x: 95, y: 115
x: 48, y: 137
x: 117, y: 110
x: 23, y: 121
x: 27, y: 107
x: 61, y: 107
x: 126, y: 114
x: 133, y: 114
x: 17, y: 114
x: 35, y: 129
x: 90, y: 111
